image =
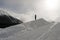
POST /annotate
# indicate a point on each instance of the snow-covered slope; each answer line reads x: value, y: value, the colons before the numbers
x: 22, y: 31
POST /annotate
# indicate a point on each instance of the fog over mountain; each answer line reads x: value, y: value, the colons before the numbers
x: 6, y: 20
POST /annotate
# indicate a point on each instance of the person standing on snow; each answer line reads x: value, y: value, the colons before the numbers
x: 35, y: 16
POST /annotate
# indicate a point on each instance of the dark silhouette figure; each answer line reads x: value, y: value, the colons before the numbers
x: 35, y: 16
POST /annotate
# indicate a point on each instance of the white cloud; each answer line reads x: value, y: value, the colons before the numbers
x: 42, y: 8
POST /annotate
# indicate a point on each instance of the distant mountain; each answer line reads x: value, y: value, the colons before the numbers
x: 38, y: 23
x: 7, y: 20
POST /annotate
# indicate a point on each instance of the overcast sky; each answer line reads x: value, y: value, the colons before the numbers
x: 48, y: 9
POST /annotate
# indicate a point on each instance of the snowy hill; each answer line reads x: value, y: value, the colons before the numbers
x: 22, y: 31
x: 38, y: 23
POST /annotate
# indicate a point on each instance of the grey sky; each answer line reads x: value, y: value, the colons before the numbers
x: 16, y: 5
x: 47, y: 9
